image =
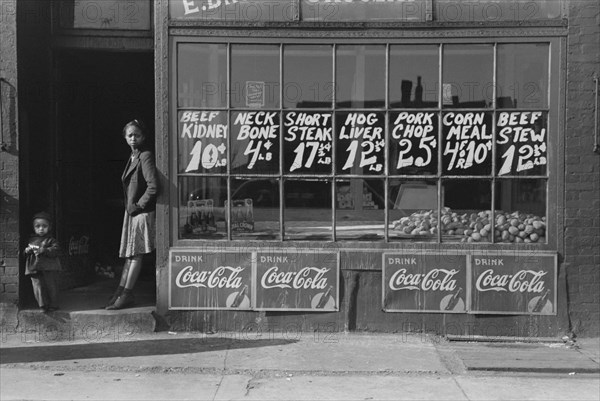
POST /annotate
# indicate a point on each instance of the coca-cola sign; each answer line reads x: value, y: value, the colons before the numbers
x: 210, y: 280
x: 424, y: 283
x: 513, y: 284
x: 298, y: 280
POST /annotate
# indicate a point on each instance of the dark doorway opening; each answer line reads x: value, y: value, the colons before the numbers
x: 97, y: 93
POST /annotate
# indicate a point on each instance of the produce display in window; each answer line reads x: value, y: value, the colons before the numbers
x: 360, y: 147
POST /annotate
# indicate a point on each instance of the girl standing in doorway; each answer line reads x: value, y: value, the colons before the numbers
x: 140, y: 188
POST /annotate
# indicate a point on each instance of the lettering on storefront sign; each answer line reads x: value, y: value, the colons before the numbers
x: 364, y: 10
x: 467, y: 141
x: 202, y: 140
x: 514, y: 284
x: 521, y: 141
x: 424, y: 283
x: 299, y: 281
x: 258, y: 134
x: 415, y: 134
x: 362, y: 141
x: 235, y: 10
x: 210, y: 280
x: 308, y: 136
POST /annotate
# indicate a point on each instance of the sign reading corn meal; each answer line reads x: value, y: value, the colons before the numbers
x: 424, y: 283
x: 523, y: 284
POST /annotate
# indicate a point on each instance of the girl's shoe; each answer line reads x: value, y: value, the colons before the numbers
x: 123, y: 301
x: 113, y: 298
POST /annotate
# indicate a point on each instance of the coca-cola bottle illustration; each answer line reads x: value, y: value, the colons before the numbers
x: 323, y: 301
x: 240, y: 297
x: 282, y: 299
x: 541, y: 302
x: 454, y: 300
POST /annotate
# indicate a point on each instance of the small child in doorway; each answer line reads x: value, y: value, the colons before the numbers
x: 42, y: 264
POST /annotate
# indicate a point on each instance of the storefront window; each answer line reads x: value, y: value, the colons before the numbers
x: 294, y: 141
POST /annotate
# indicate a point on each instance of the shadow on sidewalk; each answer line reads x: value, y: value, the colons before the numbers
x: 129, y: 349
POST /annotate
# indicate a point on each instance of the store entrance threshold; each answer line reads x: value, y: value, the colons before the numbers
x: 82, y: 316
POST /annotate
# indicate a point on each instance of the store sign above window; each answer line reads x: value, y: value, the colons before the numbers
x: 235, y: 10
x: 306, y: 10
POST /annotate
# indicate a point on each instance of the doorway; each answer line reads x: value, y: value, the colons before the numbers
x: 97, y: 93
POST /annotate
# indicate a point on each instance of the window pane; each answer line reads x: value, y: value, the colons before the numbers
x: 255, y: 142
x: 255, y: 209
x: 360, y: 147
x: 413, y: 143
x: 521, y: 143
x: 255, y: 76
x: 307, y: 146
x: 521, y: 217
x: 414, y: 76
x: 467, y: 143
x: 202, y: 75
x: 360, y: 209
x: 307, y: 76
x: 413, y: 209
x: 202, y: 141
x: 468, y: 76
x: 201, y: 213
x: 307, y: 213
x: 466, y: 215
x: 360, y: 76
x: 522, y: 75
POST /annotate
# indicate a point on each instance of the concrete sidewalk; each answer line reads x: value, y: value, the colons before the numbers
x: 294, y: 353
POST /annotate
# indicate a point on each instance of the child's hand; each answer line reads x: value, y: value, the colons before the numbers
x: 28, y: 250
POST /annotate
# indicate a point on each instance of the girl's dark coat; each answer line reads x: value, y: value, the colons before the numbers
x: 140, y: 184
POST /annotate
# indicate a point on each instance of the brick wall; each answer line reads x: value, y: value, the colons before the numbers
x: 9, y: 160
x: 582, y: 170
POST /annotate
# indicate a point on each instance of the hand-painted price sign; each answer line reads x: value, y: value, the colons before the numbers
x: 307, y: 142
x: 255, y: 142
x: 424, y: 283
x: 202, y: 141
x: 513, y: 284
x: 521, y: 143
x: 414, y: 140
x: 210, y: 280
x: 360, y: 143
x: 467, y: 146
x: 300, y: 281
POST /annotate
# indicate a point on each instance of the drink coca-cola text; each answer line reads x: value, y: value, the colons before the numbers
x: 221, y: 277
x: 306, y: 278
x: 521, y: 281
x: 434, y: 280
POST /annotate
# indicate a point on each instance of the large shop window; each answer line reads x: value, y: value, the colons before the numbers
x: 368, y: 142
